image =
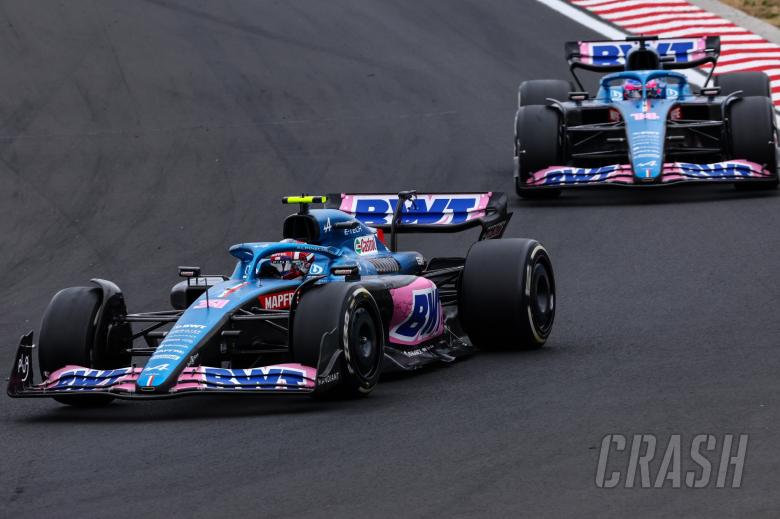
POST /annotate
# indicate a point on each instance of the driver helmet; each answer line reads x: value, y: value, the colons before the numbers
x: 293, y: 264
x: 632, y: 89
x: 655, y: 88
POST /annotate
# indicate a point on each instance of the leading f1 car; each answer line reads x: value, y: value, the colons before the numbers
x: 646, y: 126
x: 326, y: 308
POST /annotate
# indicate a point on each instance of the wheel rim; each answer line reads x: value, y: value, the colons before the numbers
x: 542, y: 297
x: 363, y: 342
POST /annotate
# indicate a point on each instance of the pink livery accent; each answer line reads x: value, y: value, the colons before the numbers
x: 347, y: 203
x: 614, y: 52
x: 555, y: 175
x: 726, y: 171
x: 432, y: 209
x: 417, y: 313
x: 731, y: 170
x: 198, y: 378
x: 277, y: 376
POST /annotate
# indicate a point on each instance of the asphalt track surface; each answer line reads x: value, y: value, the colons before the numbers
x: 138, y: 136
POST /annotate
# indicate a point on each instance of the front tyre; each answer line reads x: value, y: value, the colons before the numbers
x: 537, y: 146
x: 74, y: 332
x: 341, y: 316
x: 752, y: 137
x: 507, y: 294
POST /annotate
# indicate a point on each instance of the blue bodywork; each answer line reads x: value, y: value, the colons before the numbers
x: 238, y: 333
x: 646, y: 117
x: 644, y: 127
x: 336, y: 246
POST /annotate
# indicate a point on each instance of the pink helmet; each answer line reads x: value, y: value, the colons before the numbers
x: 632, y: 89
x: 655, y: 88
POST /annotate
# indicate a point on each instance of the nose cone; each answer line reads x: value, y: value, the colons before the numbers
x: 194, y: 327
x: 646, y: 144
x: 179, y: 343
x: 646, y: 156
x: 646, y: 133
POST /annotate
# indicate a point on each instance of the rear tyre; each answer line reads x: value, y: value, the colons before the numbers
x: 750, y: 83
x: 507, y: 294
x: 341, y: 316
x: 752, y: 137
x: 537, y: 91
x: 73, y: 333
x: 537, y: 146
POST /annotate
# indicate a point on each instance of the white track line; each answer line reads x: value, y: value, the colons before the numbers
x: 580, y: 17
x: 744, y: 56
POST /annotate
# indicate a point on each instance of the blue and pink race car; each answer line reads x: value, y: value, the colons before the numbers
x: 646, y: 126
x: 329, y: 307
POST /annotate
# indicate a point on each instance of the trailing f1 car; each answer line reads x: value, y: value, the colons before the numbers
x: 328, y: 307
x: 645, y: 126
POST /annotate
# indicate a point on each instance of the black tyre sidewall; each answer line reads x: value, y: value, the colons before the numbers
x: 355, y: 382
x: 750, y: 83
x: 68, y: 329
x: 538, y: 136
x: 537, y: 91
x: 68, y: 335
x: 327, y: 309
x: 752, y: 135
x: 494, y: 306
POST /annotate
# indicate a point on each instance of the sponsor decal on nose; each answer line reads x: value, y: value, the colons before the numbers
x: 212, y: 303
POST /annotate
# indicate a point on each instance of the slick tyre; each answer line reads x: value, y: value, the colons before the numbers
x: 507, y: 294
x: 74, y: 333
x: 341, y: 317
x: 752, y: 137
x: 537, y: 91
x: 751, y: 84
x: 537, y: 146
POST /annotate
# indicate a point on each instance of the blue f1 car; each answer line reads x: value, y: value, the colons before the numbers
x: 645, y: 126
x: 328, y: 307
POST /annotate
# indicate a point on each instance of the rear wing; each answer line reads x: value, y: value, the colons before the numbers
x: 610, y: 55
x: 427, y: 212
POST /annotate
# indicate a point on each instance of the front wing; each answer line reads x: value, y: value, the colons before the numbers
x: 121, y: 382
x: 734, y: 171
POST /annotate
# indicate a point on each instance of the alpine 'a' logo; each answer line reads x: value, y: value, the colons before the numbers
x: 328, y: 226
